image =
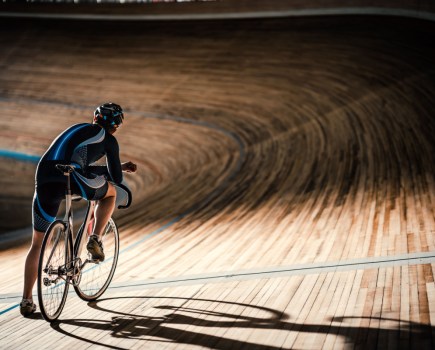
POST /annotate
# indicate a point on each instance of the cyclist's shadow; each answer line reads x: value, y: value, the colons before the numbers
x: 163, y: 328
x: 158, y: 328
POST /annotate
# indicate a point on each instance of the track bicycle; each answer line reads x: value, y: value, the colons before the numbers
x: 64, y: 261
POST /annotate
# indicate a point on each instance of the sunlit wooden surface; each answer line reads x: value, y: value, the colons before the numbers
x: 260, y: 144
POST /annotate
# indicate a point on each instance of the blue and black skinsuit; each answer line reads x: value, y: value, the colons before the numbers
x: 80, y: 145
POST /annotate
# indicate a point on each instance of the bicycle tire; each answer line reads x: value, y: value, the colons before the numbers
x: 95, y: 278
x: 52, y: 298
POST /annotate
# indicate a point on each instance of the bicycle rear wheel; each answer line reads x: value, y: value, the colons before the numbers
x: 96, y: 277
x: 53, y: 284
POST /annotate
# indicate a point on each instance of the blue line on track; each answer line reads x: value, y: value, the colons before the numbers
x: 9, y: 309
x: 4, y: 153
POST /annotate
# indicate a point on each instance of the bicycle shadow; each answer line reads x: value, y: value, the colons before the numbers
x: 165, y: 328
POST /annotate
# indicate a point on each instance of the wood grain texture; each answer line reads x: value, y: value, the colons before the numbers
x: 332, y: 159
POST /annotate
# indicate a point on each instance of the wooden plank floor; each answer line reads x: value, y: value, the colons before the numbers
x: 261, y: 144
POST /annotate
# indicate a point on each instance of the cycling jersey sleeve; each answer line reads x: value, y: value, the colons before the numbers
x: 113, y: 162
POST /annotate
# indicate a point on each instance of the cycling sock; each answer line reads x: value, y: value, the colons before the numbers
x: 95, y: 237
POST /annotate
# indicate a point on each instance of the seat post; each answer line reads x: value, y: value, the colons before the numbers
x: 68, y: 184
x: 68, y: 213
x: 67, y: 170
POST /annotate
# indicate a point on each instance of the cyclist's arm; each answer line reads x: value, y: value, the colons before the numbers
x: 101, y: 169
x: 113, y: 161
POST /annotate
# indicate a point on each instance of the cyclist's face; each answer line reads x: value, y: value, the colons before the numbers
x: 114, y: 129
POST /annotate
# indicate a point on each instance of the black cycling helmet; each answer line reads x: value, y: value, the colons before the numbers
x: 109, y: 115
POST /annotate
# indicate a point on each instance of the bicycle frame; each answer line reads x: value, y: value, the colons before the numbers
x: 68, y: 220
x: 64, y: 268
x: 76, y: 245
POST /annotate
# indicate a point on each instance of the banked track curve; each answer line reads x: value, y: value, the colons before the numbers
x: 337, y: 126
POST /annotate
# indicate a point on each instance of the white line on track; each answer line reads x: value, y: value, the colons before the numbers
x: 259, y: 273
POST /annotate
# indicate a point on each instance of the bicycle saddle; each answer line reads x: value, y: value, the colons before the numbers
x: 65, y: 168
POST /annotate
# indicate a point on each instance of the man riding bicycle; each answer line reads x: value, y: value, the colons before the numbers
x: 80, y: 145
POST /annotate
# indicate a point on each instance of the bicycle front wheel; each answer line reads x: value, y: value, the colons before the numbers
x: 96, y: 277
x: 56, y: 253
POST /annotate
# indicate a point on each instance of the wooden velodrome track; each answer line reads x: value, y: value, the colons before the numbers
x: 285, y: 193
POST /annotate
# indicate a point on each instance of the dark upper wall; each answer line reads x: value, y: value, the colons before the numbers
x: 234, y: 7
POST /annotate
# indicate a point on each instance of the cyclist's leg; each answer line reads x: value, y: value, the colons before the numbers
x: 102, y: 214
x: 100, y: 190
x: 46, y: 202
x: 97, y: 189
x: 104, y: 210
x: 31, y: 264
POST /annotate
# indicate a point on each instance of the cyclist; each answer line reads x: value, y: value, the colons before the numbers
x: 80, y: 145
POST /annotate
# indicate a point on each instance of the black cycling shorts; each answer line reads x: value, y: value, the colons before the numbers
x: 48, y: 196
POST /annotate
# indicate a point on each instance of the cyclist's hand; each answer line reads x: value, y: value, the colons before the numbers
x: 129, y: 167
